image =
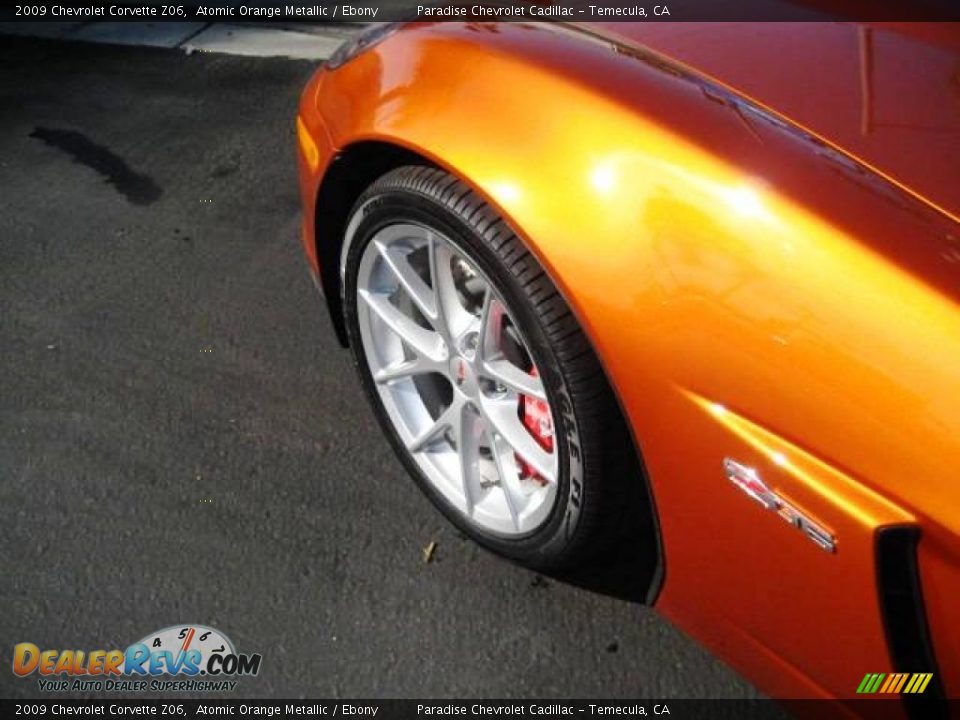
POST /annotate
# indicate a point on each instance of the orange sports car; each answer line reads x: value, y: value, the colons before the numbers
x: 698, y: 285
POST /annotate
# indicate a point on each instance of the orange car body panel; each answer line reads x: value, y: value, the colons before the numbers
x: 760, y: 278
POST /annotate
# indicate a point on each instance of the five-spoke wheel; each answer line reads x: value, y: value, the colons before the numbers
x: 456, y: 378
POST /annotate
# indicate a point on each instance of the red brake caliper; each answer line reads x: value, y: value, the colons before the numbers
x: 535, y: 415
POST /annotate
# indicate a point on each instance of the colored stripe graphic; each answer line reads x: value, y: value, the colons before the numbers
x: 919, y: 684
x: 894, y: 683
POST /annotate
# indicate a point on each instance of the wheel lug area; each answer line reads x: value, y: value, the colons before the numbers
x: 492, y: 388
x: 463, y: 376
x: 468, y: 345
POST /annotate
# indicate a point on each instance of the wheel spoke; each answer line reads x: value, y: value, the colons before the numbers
x: 493, y: 362
x: 405, y: 368
x: 502, y: 415
x: 421, y: 294
x: 448, y: 421
x: 505, y: 373
x: 490, y: 317
x: 509, y: 477
x: 421, y: 340
x: 468, y: 448
x: 453, y: 317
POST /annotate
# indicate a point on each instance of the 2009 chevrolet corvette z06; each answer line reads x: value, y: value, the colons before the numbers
x: 695, y: 285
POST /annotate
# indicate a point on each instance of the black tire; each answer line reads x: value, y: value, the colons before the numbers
x: 593, y: 444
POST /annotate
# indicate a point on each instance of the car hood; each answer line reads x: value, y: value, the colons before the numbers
x: 886, y: 94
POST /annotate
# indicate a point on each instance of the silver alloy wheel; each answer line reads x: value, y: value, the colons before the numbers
x: 454, y: 374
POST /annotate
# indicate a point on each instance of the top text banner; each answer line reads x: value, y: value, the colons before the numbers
x: 489, y: 11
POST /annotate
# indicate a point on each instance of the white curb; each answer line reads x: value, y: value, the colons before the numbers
x: 262, y: 42
x: 166, y: 34
x: 312, y: 43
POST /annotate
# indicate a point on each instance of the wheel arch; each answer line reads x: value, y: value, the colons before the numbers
x: 351, y: 171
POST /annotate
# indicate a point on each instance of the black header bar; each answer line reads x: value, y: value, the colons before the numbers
x: 484, y: 10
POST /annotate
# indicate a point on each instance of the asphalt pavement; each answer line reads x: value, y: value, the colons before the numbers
x: 181, y: 439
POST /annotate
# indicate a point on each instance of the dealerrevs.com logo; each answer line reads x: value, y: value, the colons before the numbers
x: 177, y: 658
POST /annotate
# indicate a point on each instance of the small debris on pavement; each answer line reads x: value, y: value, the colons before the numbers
x: 428, y: 552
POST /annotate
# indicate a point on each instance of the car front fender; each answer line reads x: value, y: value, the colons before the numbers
x: 752, y: 292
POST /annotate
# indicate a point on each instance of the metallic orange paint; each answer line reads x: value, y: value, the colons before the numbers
x: 764, y: 275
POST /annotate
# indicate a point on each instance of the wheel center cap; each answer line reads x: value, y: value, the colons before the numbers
x: 463, y: 376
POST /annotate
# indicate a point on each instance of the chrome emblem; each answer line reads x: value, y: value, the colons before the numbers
x: 748, y: 480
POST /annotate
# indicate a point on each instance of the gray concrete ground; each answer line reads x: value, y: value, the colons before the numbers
x: 181, y: 440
